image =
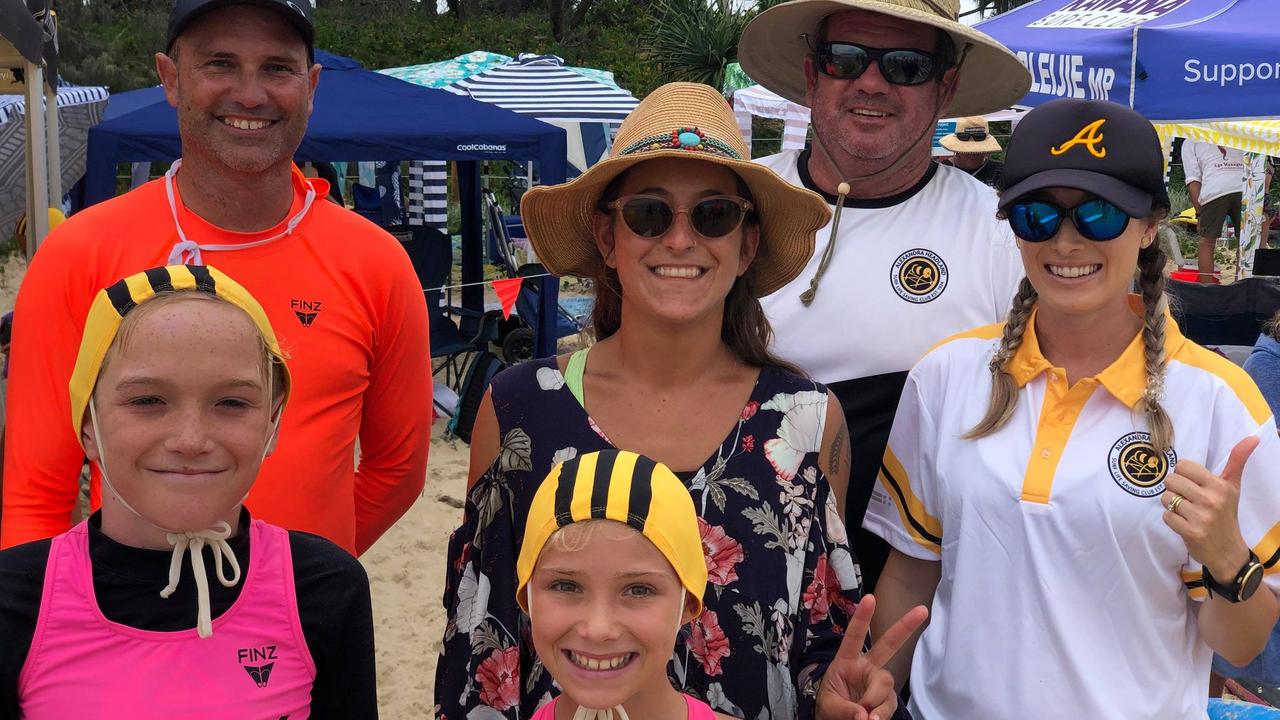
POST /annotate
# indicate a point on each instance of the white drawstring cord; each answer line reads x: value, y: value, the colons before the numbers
x: 585, y: 713
x: 195, y: 542
x: 186, y: 251
x: 843, y: 188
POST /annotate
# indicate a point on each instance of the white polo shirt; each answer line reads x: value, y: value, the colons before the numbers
x: 1063, y: 593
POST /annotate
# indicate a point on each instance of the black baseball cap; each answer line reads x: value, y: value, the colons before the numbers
x: 1096, y: 146
x: 297, y: 12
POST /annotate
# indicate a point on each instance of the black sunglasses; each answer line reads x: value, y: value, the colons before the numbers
x: 1038, y: 220
x: 971, y: 135
x: 651, y: 216
x: 899, y: 66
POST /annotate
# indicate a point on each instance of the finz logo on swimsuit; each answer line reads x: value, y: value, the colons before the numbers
x: 306, y: 310
x: 260, y: 672
x: 1107, y: 14
x: 1137, y: 467
x: 918, y: 276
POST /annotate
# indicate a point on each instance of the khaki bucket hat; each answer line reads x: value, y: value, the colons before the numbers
x: 677, y: 120
x: 774, y: 45
x: 972, y: 135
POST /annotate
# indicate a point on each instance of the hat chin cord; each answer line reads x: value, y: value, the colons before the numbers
x: 190, y: 542
x: 843, y: 188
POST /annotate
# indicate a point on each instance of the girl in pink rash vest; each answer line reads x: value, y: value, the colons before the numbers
x: 172, y: 601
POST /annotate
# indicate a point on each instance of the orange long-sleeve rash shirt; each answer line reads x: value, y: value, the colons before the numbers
x: 349, y: 311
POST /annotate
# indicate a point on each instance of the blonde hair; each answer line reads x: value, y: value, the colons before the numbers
x: 1004, y: 390
x: 577, y: 536
x: 271, y: 366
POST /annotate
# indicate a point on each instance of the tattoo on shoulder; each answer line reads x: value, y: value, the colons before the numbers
x: 838, y: 443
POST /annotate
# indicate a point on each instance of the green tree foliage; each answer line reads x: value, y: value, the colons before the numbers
x: 694, y: 40
x: 113, y: 42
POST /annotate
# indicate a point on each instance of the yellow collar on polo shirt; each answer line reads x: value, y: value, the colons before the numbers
x: 1126, y: 378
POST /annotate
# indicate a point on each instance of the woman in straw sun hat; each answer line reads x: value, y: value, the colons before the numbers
x: 1085, y: 497
x: 177, y: 395
x: 681, y: 234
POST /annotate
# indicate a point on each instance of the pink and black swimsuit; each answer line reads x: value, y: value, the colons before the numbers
x: 87, y: 634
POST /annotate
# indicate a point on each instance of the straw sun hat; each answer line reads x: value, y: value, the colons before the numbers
x: 971, y: 128
x: 774, y: 45
x: 677, y: 120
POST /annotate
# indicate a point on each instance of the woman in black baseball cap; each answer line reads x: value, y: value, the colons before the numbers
x: 1081, y: 493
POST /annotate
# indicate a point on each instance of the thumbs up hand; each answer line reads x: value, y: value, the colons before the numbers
x: 856, y: 686
x: 1202, y: 508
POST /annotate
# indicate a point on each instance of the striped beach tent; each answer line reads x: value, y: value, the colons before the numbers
x: 586, y: 102
x: 542, y: 86
x: 79, y: 108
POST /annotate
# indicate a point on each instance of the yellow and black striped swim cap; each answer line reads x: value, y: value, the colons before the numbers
x: 624, y: 487
x: 113, y: 303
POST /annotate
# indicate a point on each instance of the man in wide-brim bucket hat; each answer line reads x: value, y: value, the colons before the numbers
x: 775, y: 44
x: 681, y: 120
x: 914, y: 253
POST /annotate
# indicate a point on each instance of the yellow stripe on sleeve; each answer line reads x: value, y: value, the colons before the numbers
x: 1243, y: 386
x: 920, y: 525
x: 1194, y: 583
x: 1268, y: 550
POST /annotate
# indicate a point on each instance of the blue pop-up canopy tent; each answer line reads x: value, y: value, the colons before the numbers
x: 1171, y: 60
x: 363, y: 115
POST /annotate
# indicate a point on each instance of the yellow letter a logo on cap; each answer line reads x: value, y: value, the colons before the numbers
x: 1090, y: 136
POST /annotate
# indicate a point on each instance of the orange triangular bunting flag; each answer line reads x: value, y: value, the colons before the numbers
x: 508, y: 290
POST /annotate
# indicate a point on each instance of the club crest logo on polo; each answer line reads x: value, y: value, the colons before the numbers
x: 918, y: 276
x: 1137, y: 467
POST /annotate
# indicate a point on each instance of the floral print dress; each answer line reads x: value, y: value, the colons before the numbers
x: 782, y: 579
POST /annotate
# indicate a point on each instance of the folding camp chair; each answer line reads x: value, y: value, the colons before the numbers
x: 431, y: 253
x: 516, y: 335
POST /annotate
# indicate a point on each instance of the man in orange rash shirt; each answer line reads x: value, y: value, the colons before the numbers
x: 340, y: 292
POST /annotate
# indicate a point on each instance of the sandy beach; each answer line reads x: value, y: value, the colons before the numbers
x: 406, y: 577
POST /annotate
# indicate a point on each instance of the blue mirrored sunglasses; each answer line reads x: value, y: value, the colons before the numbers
x: 1038, y: 220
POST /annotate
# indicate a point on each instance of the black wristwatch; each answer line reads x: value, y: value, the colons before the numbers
x: 1242, y: 587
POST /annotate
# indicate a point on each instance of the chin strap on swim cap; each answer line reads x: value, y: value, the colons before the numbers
x: 194, y: 542
x: 585, y: 713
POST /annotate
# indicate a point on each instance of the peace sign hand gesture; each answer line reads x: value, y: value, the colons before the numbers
x: 1202, y: 508
x: 856, y: 686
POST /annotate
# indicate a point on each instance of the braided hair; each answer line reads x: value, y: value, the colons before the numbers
x: 1004, y: 390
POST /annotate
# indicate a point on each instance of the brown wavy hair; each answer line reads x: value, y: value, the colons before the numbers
x: 744, y: 328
